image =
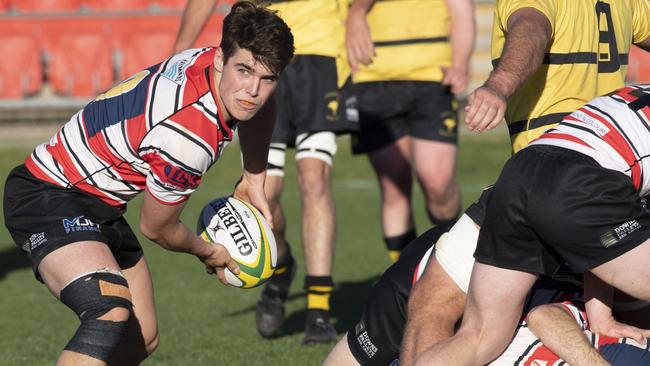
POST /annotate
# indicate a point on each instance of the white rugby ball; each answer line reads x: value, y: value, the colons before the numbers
x: 242, y: 229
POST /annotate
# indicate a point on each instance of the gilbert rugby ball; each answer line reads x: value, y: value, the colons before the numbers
x: 242, y: 229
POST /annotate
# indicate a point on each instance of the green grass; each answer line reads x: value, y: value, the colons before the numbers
x: 202, y: 322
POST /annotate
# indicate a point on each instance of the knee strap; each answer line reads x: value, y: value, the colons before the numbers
x: 90, y: 296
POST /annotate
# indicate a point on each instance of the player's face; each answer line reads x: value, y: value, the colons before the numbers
x: 244, y: 84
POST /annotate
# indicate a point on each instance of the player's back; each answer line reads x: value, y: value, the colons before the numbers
x: 588, y: 56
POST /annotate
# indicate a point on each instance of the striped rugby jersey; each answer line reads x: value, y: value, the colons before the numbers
x: 159, y: 130
x: 614, y: 130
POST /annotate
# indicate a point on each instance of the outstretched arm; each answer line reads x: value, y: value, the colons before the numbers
x: 529, y: 33
x: 558, y: 331
x: 160, y: 223
x: 462, y: 34
x: 195, y: 16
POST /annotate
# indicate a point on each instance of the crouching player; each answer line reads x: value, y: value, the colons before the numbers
x: 159, y: 132
x: 555, y: 327
x: 575, y: 195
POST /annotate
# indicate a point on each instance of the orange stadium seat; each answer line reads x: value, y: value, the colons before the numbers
x: 80, y: 65
x: 170, y: 4
x: 116, y: 5
x: 144, y: 41
x: 20, y: 70
x: 4, y: 5
x: 639, y: 66
x: 45, y: 6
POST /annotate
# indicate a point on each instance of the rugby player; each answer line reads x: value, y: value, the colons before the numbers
x: 307, y: 120
x: 551, y: 57
x: 575, y: 195
x: 158, y: 131
x: 375, y: 339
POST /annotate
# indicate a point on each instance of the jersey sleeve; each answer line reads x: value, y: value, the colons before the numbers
x: 177, y: 160
x: 505, y: 8
x: 641, y: 20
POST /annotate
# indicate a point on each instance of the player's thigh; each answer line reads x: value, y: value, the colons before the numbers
x: 144, y: 308
x: 629, y: 272
x: 71, y: 261
x: 341, y: 355
x: 494, y: 304
x: 392, y: 162
x: 434, y: 161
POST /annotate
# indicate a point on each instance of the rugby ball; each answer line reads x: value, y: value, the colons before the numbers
x: 242, y: 229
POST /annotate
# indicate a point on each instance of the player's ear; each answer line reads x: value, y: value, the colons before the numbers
x: 218, y: 60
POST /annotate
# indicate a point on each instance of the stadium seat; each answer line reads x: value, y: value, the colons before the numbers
x: 4, y: 5
x: 639, y: 66
x: 80, y: 65
x: 44, y: 6
x: 143, y: 41
x: 116, y: 5
x: 170, y: 4
x: 20, y: 70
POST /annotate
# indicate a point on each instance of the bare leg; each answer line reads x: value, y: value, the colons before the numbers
x: 435, y: 305
x: 435, y: 164
x: 142, y: 336
x: 494, y: 303
x: 318, y: 223
x: 393, y: 169
x: 341, y: 355
x: 66, y: 264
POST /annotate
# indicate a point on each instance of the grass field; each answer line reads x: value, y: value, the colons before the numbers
x: 202, y: 322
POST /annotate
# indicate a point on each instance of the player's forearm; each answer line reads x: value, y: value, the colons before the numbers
x: 558, y: 331
x: 195, y: 16
x: 360, y: 7
x: 255, y: 138
x: 178, y: 238
x: 529, y: 34
x: 462, y: 32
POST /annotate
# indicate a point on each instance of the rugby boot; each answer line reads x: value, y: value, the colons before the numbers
x: 270, y: 314
x: 318, y: 328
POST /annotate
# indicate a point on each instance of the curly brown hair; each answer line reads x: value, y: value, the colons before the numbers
x: 261, y: 31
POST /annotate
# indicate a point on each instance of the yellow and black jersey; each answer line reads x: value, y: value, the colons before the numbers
x: 317, y: 27
x: 411, y: 40
x: 588, y: 57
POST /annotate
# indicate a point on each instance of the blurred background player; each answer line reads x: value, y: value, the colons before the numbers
x: 545, y: 67
x: 307, y: 103
x: 159, y: 132
x: 408, y: 59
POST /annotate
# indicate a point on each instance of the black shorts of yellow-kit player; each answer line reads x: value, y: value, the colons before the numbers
x: 389, y: 110
x: 307, y: 99
x: 42, y: 217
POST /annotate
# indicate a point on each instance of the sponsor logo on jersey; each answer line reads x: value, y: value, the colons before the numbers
x: 595, y: 125
x: 176, y: 71
x: 79, y: 223
x: 180, y: 178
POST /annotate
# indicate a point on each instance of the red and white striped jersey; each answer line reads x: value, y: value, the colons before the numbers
x: 161, y: 129
x: 614, y: 130
x: 527, y: 350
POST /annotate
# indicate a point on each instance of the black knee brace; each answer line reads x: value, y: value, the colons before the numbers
x: 91, y: 296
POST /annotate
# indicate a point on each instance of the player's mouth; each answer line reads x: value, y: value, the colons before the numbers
x: 246, y: 104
